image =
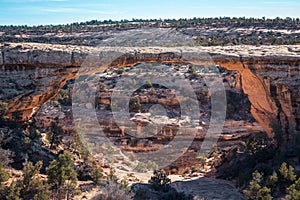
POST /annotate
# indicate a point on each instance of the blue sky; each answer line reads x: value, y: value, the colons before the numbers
x: 36, y: 12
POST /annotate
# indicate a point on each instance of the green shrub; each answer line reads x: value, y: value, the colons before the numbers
x: 201, y: 160
x: 4, y: 175
x: 192, y: 70
x: 149, y: 84
x: 273, y: 180
x: 62, y: 176
x: 264, y: 193
x: 144, y: 167
x: 287, y: 173
x: 160, y: 181
x: 141, y: 167
x: 56, y: 104
x: 103, y: 86
x: 135, y: 104
x: 55, y: 135
x: 29, y: 172
x: 112, y: 175
x: 254, y: 186
x: 13, y: 192
x: 32, y: 187
x: 293, y: 192
x: 97, y: 175
x: 121, y: 70
x: 125, y: 184
x: 255, y: 191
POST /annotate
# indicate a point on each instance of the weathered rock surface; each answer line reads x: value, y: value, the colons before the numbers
x: 33, y: 73
x: 209, y: 188
x: 201, y: 188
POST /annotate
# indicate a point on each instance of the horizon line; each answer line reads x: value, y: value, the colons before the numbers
x: 145, y: 19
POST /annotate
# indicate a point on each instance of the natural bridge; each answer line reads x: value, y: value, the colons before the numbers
x: 32, y: 73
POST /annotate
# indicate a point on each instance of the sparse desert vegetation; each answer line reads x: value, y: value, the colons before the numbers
x: 50, y: 147
x: 224, y: 31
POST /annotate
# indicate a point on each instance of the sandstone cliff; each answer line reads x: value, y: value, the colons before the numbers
x: 33, y: 73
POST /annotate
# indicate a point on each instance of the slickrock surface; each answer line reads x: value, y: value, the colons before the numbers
x: 33, y: 73
x: 209, y: 188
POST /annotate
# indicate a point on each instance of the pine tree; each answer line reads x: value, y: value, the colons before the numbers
x: 62, y: 176
x: 273, y: 179
x: 264, y: 193
x: 29, y: 172
x: 112, y: 175
x: 4, y: 175
x: 13, y: 192
x: 55, y: 135
x: 254, y: 186
x: 160, y: 181
x: 97, y: 175
x: 32, y: 186
x: 287, y: 173
x: 255, y: 189
x: 293, y: 192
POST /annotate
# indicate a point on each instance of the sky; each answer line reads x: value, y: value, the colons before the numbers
x: 41, y: 12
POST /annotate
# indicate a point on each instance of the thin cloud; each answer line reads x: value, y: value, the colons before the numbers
x: 78, y: 10
x: 59, y: 10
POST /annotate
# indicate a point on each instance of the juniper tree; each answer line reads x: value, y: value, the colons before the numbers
x: 160, y: 181
x: 293, y: 192
x: 62, y: 175
x: 32, y: 186
x: 55, y: 134
x: 255, y: 189
x: 287, y: 173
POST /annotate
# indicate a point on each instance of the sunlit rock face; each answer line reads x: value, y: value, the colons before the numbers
x: 31, y: 74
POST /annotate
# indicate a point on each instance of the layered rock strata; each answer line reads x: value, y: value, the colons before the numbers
x: 32, y: 73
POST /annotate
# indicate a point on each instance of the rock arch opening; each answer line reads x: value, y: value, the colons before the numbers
x: 258, y: 73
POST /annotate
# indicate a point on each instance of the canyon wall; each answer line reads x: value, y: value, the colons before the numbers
x: 32, y: 73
